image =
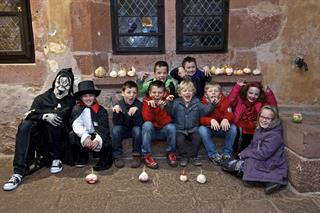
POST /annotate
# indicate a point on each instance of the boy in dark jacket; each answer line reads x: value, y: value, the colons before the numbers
x: 90, y: 127
x: 127, y: 121
x: 190, y: 70
x: 157, y: 124
x: 218, y: 123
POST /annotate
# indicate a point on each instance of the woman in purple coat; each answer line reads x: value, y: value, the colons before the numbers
x: 263, y: 162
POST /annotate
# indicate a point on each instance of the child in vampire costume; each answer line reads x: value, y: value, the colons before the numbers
x: 90, y: 128
x: 44, y: 129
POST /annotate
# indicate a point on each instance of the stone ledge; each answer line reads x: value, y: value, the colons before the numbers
x: 304, y: 174
x: 303, y: 138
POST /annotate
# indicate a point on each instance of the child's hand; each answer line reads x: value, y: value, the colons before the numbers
x: 161, y: 104
x: 117, y: 109
x: 132, y: 110
x: 240, y: 82
x: 206, y: 71
x: 152, y: 103
x: 267, y: 88
x: 225, y: 125
x: 169, y: 98
x: 214, y: 100
x: 181, y: 72
x: 88, y: 143
x: 215, y: 125
x: 144, y: 76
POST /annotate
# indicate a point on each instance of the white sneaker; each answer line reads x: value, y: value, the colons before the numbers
x: 13, y: 182
x: 56, y: 166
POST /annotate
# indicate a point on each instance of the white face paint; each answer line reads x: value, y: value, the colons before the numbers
x: 62, y: 86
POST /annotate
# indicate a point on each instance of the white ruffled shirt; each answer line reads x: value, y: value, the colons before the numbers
x: 83, y: 127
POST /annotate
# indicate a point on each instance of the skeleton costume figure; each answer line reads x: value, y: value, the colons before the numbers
x: 44, y: 129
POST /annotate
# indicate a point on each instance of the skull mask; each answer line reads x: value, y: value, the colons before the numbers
x: 62, y: 86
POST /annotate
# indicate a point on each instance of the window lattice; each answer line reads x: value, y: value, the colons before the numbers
x: 9, y: 5
x: 10, y: 33
x: 137, y: 25
x: 201, y: 25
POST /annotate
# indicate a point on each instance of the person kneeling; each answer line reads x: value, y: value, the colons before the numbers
x: 263, y: 161
x: 90, y: 128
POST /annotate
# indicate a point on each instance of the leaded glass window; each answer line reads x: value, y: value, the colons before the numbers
x: 138, y: 26
x: 16, y: 41
x: 202, y: 25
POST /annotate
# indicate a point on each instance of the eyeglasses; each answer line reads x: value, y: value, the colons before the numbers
x: 266, y: 118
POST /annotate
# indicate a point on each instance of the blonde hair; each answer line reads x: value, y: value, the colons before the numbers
x: 212, y: 85
x: 186, y: 84
x: 276, y: 118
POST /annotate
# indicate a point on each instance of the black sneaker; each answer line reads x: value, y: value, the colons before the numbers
x: 184, y: 162
x: 272, y: 187
x: 119, y: 163
x: 135, y: 162
x: 13, y: 182
x: 196, y: 161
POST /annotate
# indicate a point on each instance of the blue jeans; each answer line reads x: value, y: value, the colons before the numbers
x: 149, y: 133
x: 206, y: 135
x: 121, y: 132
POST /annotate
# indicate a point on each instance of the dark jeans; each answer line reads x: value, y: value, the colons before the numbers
x: 241, y: 142
x: 42, y: 137
x: 80, y: 154
x: 188, y: 145
x: 121, y: 132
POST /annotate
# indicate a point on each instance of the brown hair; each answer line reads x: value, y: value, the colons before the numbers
x: 210, y: 85
x: 156, y: 83
x: 129, y: 84
x: 160, y: 64
x: 189, y: 60
x: 245, y: 88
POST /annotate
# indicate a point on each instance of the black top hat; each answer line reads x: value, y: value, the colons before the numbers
x: 86, y: 87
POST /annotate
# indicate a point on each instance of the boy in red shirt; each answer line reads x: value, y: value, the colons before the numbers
x: 218, y: 123
x: 157, y: 125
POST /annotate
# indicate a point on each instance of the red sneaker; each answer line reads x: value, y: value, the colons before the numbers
x: 172, y: 159
x: 150, y: 162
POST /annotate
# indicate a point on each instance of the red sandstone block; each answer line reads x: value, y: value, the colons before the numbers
x: 303, y: 138
x: 304, y: 174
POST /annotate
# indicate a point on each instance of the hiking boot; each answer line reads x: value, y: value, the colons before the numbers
x: 172, y: 159
x: 56, y: 166
x: 196, y: 161
x: 184, y: 162
x: 119, y: 163
x: 136, y: 162
x: 13, y: 182
x: 272, y: 187
x: 217, y: 160
x: 150, y: 162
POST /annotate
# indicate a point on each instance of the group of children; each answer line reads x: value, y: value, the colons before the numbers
x: 184, y: 109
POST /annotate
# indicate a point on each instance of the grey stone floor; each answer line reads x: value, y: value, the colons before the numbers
x: 119, y: 190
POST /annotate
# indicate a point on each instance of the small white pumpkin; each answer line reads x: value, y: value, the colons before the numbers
x: 256, y: 72
x: 91, y: 178
x: 113, y: 74
x: 229, y: 71
x: 240, y: 72
x: 100, y: 72
x: 183, y: 176
x: 122, y: 73
x: 219, y: 71
x: 247, y: 70
x: 201, y: 178
x: 143, y: 177
x: 132, y: 72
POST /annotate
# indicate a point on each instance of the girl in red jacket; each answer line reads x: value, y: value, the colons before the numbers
x: 246, y: 101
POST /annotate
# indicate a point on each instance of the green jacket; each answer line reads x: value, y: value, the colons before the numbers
x: 143, y: 86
